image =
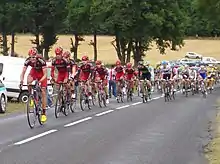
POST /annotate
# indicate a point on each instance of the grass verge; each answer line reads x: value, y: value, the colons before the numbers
x: 14, y: 107
x: 213, y: 149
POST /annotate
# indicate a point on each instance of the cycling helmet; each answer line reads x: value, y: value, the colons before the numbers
x: 140, y: 62
x: 128, y: 65
x: 59, y: 51
x: 164, y: 62
x: 66, y: 54
x: 147, y: 63
x: 32, y: 52
x: 85, y: 58
x: 98, y: 62
x: 118, y: 62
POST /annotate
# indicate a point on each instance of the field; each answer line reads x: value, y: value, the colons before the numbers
x: 107, y: 54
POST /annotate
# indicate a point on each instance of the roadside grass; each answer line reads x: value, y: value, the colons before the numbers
x: 14, y: 107
x: 213, y: 149
x: 107, y: 53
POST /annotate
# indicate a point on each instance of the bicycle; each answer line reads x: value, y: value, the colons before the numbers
x: 34, y: 100
x: 62, y: 104
x: 101, y: 94
x: 167, y: 90
x: 120, y: 95
x: 203, y: 89
x: 84, y: 97
x: 129, y: 91
x: 145, y: 94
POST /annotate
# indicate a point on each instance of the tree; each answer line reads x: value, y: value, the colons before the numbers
x: 46, y: 18
x: 78, y: 22
x: 138, y: 23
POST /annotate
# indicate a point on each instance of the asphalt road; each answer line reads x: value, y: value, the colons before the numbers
x: 129, y: 133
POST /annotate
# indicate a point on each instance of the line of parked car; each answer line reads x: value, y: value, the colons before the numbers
x: 192, y: 57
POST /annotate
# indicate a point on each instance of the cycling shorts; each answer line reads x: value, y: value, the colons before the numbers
x: 62, y: 76
x: 166, y: 76
x: 146, y: 76
x: 203, y: 75
x: 37, y: 75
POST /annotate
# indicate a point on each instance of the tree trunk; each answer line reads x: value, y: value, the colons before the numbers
x: 76, y: 46
x: 4, y: 43
x: 12, y: 44
x: 46, y: 53
x: 128, y: 59
x: 117, y: 39
x: 95, y: 46
x: 137, y: 53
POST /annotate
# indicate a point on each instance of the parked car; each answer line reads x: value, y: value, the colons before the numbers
x: 193, y: 55
x: 210, y: 60
x: 10, y: 69
x: 3, y: 96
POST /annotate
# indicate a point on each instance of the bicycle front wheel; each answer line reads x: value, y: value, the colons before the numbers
x: 58, y: 105
x: 31, y: 112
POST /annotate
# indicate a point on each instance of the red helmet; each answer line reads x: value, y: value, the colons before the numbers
x: 32, y: 52
x: 98, y: 62
x: 58, y: 51
x: 118, y: 62
x: 66, y: 54
x: 128, y: 65
x: 85, y: 58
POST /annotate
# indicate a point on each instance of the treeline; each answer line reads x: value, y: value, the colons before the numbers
x: 135, y: 24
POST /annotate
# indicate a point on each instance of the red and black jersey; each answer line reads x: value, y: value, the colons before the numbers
x: 37, y: 64
x: 61, y: 64
x: 86, y: 68
x: 119, y: 69
x: 101, y: 71
x: 129, y: 71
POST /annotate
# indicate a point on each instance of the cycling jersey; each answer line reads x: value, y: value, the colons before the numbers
x: 203, y: 73
x: 37, y: 69
x: 185, y: 73
x: 62, y: 66
x: 130, y: 73
x: 119, y: 72
x: 144, y: 72
x: 85, y: 71
x: 166, y: 72
x: 101, y: 72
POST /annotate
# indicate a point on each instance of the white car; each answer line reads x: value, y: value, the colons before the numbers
x: 210, y: 60
x: 3, y: 97
x: 193, y: 55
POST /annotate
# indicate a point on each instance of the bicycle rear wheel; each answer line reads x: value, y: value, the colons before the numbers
x: 58, y: 105
x: 100, y: 99
x: 31, y: 112
x: 73, y: 105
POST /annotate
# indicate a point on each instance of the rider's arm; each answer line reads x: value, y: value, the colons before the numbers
x: 44, y: 76
x: 26, y: 64
x: 23, y: 73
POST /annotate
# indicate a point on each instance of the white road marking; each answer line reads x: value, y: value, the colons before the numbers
x: 103, y: 113
x: 35, y: 137
x: 77, y: 122
x: 137, y: 103
x: 123, y: 107
x: 155, y: 98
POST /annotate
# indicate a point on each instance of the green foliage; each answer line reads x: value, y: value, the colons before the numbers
x: 134, y: 23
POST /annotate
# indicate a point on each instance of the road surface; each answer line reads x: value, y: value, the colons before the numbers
x: 129, y: 133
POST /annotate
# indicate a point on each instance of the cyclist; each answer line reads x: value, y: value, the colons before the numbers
x: 72, y: 69
x: 151, y: 69
x: 166, y: 73
x: 101, y: 73
x: 144, y: 74
x: 186, y: 76
x: 38, y: 72
x: 119, y: 74
x: 210, y: 76
x: 130, y: 75
x: 61, y: 64
x: 85, y: 74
